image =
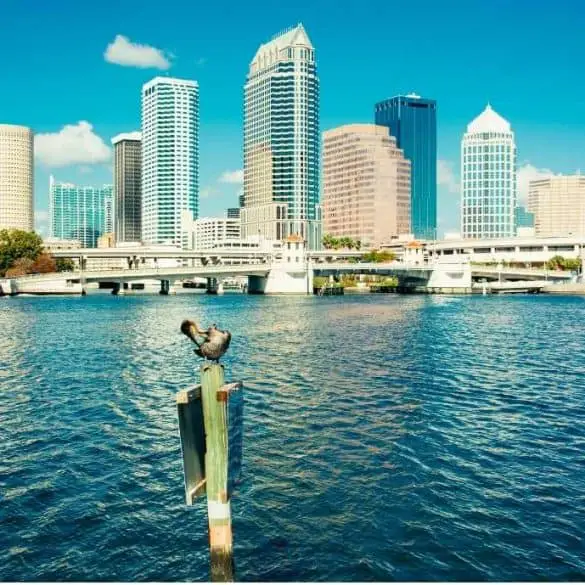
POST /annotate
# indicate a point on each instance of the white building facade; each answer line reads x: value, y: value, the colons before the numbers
x: 16, y: 178
x: 558, y: 205
x: 170, y: 157
x: 489, y: 192
x: 281, y: 140
x: 209, y: 232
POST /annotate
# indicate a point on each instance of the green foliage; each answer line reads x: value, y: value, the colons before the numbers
x: 344, y: 243
x: 561, y: 263
x: 16, y: 245
x: 65, y: 265
x: 379, y: 256
x: 321, y: 281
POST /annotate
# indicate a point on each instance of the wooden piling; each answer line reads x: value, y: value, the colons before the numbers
x: 214, y: 401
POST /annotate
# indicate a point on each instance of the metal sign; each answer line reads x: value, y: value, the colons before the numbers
x: 192, y: 432
x: 193, y: 443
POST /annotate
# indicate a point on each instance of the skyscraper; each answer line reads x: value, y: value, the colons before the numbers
x: 170, y: 157
x: 412, y: 120
x: 366, y: 185
x: 127, y: 187
x: 281, y: 140
x: 488, y: 162
x: 558, y: 205
x: 16, y: 178
x: 80, y: 213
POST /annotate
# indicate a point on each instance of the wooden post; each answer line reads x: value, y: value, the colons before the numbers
x: 214, y: 399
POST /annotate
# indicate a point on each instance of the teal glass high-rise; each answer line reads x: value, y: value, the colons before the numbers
x: 412, y: 120
x: 80, y: 213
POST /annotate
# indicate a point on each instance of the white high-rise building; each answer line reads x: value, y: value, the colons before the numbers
x: 281, y: 140
x: 488, y: 163
x: 16, y: 178
x: 170, y: 157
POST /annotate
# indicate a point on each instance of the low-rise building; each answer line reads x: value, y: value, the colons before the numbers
x: 209, y: 232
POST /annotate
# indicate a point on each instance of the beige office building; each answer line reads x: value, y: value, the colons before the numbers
x: 366, y: 185
x: 558, y: 204
x: 16, y: 178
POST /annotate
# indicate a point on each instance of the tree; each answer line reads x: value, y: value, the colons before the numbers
x: 64, y: 265
x: 20, y: 267
x: 44, y: 264
x: 379, y: 256
x: 16, y: 245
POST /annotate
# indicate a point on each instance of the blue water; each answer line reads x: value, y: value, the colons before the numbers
x: 386, y: 438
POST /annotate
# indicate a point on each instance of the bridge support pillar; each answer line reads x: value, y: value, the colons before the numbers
x: 452, y: 277
x: 167, y: 287
x: 281, y: 281
x: 118, y: 289
x: 212, y: 286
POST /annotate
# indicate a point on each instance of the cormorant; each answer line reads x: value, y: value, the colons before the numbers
x: 215, y: 342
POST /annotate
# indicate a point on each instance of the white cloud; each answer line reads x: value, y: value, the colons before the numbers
x: 73, y: 144
x: 128, y: 54
x: 446, y: 177
x: 526, y: 173
x: 234, y: 177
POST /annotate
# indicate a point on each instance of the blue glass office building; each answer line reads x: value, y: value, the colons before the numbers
x: 412, y: 120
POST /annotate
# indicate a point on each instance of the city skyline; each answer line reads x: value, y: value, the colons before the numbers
x: 547, y: 138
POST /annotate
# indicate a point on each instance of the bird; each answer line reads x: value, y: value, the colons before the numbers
x: 215, y: 342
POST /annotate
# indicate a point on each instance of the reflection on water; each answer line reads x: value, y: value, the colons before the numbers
x: 386, y: 438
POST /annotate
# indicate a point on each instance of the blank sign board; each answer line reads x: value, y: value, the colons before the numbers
x: 192, y: 432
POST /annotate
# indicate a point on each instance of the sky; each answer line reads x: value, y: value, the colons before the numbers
x: 73, y: 72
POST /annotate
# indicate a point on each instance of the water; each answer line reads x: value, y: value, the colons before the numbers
x: 386, y: 438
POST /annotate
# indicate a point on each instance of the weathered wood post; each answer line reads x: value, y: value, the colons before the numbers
x: 214, y: 398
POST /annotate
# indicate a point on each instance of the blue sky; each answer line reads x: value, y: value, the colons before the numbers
x: 524, y: 56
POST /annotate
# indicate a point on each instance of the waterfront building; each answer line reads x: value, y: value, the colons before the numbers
x: 233, y: 212
x: 127, y: 187
x: 281, y: 140
x: 170, y: 157
x: 16, y: 178
x: 412, y: 120
x: 207, y: 232
x: 488, y: 163
x: 558, y: 205
x: 366, y: 185
x: 530, y: 250
x: 80, y: 213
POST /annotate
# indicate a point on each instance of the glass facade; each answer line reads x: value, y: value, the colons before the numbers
x: 170, y: 158
x: 80, y: 213
x: 281, y: 139
x: 524, y: 218
x: 488, y: 160
x: 412, y: 120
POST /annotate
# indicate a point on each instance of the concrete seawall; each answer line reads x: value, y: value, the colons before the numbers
x: 565, y: 289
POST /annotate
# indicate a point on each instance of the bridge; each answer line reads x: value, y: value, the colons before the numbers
x: 289, y: 269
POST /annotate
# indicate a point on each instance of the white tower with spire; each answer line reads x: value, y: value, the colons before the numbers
x: 488, y: 163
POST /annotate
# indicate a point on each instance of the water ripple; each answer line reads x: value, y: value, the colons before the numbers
x: 386, y: 438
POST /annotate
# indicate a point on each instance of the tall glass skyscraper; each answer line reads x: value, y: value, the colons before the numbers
x: 281, y: 140
x: 80, y: 213
x: 488, y: 163
x: 170, y: 157
x: 127, y: 187
x: 412, y: 120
